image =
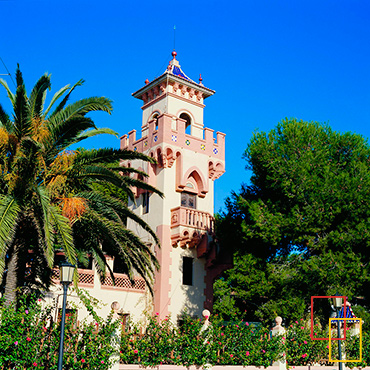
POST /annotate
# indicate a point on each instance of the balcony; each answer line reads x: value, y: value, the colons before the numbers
x: 191, y: 218
x: 87, y: 279
x: 188, y: 225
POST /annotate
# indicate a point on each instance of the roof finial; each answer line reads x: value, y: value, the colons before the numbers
x: 146, y: 82
x: 174, y: 54
x: 200, y: 79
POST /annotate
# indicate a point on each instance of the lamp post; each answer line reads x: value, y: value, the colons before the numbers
x: 66, y: 277
x: 337, y: 303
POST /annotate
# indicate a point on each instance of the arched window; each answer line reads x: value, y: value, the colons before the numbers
x: 155, y: 117
x: 187, y: 118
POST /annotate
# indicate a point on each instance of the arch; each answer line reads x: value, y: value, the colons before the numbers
x: 215, y: 170
x: 160, y: 157
x: 155, y: 117
x: 198, y: 178
x: 188, y: 117
x: 170, y: 156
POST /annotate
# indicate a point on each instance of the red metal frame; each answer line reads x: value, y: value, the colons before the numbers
x: 312, y: 324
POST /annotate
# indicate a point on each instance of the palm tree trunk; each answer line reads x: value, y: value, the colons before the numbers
x: 10, y: 294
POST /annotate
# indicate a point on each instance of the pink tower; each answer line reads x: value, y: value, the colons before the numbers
x: 189, y: 160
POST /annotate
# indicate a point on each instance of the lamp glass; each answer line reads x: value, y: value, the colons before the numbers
x: 66, y: 272
x: 337, y: 301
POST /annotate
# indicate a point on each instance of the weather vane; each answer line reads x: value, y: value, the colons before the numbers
x: 174, y: 37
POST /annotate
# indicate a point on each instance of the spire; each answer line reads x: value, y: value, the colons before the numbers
x: 175, y: 68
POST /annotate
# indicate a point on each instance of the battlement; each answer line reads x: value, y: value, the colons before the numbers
x: 170, y: 130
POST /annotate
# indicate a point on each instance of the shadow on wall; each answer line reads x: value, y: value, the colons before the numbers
x: 192, y: 285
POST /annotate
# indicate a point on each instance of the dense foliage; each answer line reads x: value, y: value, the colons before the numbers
x: 29, y: 339
x: 301, y: 226
x: 233, y: 343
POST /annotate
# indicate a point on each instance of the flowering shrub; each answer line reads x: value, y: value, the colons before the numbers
x: 237, y: 343
x: 29, y: 339
x: 301, y: 350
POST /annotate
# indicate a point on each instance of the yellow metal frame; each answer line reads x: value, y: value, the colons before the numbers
x: 346, y: 319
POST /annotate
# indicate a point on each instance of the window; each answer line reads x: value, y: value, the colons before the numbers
x: 146, y: 196
x: 119, y: 265
x: 187, y: 118
x: 155, y: 117
x: 188, y: 200
x: 187, y: 271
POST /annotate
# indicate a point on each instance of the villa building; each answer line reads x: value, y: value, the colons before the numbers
x: 189, y: 159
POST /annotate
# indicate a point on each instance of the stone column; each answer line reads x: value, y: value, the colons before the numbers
x: 116, y: 338
x: 279, y: 330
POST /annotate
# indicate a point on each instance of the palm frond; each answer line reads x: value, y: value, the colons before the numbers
x: 113, y: 208
x: 10, y: 94
x: 126, y: 170
x: 98, y: 131
x: 66, y: 133
x: 48, y: 233
x: 65, y: 99
x: 9, y: 214
x: 110, y: 155
x: 120, y: 241
x: 80, y: 108
x: 5, y: 120
x: 102, y: 174
x: 22, y: 123
x: 19, y: 77
x: 38, y: 95
x: 55, y: 97
x: 63, y: 233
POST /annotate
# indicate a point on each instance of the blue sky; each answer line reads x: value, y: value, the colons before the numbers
x: 267, y: 60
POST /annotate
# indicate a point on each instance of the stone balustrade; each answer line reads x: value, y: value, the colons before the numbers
x: 191, y: 218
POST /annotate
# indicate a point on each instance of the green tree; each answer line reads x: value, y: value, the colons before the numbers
x: 304, y: 216
x: 48, y: 194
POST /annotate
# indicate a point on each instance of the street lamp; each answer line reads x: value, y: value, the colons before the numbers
x: 66, y: 277
x: 337, y: 303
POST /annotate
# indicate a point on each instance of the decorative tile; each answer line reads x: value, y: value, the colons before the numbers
x: 135, y: 149
x: 155, y: 138
x: 203, y: 147
x: 187, y: 142
x: 174, y: 138
x: 145, y: 143
x: 215, y: 151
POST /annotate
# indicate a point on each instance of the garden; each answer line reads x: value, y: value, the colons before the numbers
x: 29, y: 338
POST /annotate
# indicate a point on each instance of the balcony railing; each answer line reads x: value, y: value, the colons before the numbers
x: 85, y: 277
x: 122, y: 282
x: 188, y: 217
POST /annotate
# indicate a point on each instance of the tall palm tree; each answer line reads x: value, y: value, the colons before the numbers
x: 50, y: 196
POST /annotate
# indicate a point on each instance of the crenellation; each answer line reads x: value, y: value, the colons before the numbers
x: 131, y: 137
